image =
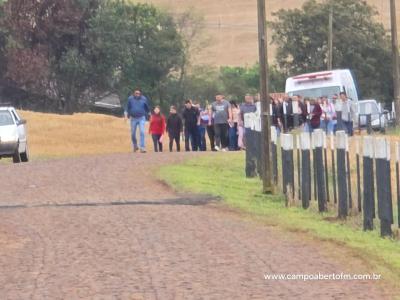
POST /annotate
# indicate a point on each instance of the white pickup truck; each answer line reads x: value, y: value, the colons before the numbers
x: 13, y: 137
x: 379, y: 118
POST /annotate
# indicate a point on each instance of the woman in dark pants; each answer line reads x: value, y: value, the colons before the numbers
x: 277, y: 113
x: 316, y: 114
x: 210, y: 129
x: 204, y: 120
x: 157, y: 129
x: 221, y: 111
x: 174, y: 129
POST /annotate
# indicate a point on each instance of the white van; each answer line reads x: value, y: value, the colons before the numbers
x: 326, y: 83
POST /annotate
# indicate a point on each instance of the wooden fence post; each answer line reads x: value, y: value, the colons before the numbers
x: 358, y: 175
x: 398, y: 182
x: 305, y: 169
x: 274, y: 150
x: 326, y: 169
x: 350, y: 197
x: 287, y: 162
x: 333, y: 169
x: 368, y: 183
x: 258, y: 151
x: 298, y: 165
x: 389, y: 181
x: 385, y: 210
x: 341, y: 173
x: 318, y: 139
x: 314, y: 167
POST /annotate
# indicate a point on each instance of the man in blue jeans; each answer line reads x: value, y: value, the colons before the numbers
x: 191, y: 120
x: 136, y: 110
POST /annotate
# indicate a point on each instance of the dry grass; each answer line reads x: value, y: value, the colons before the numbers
x: 53, y: 135
x: 235, y: 41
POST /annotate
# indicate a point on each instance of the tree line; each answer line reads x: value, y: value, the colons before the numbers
x: 360, y: 43
x: 62, y: 55
x: 66, y: 53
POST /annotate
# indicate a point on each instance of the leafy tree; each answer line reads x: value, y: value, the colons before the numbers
x: 133, y: 45
x: 190, y: 25
x: 3, y: 42
x: 360, y: 43
x: 72, y: 50
x: 204, y: 82
x: 201, y: 84
x: 73, y: 78
x: 41, y: 35
x: 239, y: 81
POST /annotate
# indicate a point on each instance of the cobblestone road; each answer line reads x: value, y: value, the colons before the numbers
x: 63, y: 237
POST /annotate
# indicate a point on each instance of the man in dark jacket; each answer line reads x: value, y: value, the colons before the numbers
x: 137, y: 109
x: 174, y: 129
x: 191, y: 118
x: 247, y: 107
x: 315, y: 114
x: 277, y: 113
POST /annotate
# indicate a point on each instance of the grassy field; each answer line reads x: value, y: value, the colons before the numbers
x: 230, y: 26
x: 223, y: 176
x: 53, y: 135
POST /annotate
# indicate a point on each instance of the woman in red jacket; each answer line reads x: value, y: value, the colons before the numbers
x: 157, y: 129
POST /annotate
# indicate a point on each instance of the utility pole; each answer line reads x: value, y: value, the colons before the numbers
x: 330, y: 39
x: 395, y: 60
x: 264, y: 98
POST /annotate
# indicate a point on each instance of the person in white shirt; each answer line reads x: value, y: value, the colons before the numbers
x: 328, y: 117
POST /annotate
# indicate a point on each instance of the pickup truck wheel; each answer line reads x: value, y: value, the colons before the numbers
x: 25, y: 155
x: 16, y: 157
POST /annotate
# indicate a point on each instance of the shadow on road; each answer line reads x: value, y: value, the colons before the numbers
x: 190, y: 200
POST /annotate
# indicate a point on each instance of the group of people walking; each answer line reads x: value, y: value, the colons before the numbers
x: 312, y: 113
x: 221, y: 121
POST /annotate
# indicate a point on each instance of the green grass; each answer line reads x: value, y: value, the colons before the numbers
x: 223, y: 176
x: 393, y: 131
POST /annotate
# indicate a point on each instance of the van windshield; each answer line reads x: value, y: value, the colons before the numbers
x: 328, y: 91
x: 6, y: 118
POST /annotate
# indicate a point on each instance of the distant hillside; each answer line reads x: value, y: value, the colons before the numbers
x: 231, y: 26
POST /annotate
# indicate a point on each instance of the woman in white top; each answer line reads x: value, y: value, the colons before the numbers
x: 233, y: 127
x: 328, y: 115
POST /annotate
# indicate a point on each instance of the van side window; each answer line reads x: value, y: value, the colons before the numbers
x: 352, y: 94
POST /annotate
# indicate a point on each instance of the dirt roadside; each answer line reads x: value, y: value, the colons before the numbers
x: 62, y: 236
